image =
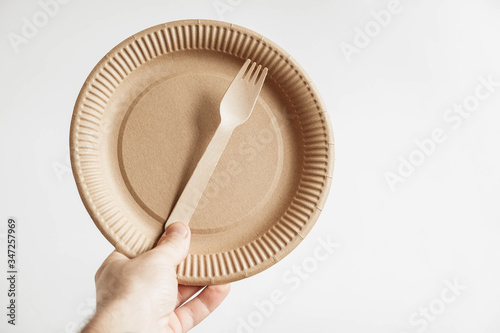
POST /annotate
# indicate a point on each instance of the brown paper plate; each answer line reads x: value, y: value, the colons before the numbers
x: 143, y: 119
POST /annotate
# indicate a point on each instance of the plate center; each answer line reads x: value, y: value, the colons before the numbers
x: 164, y: 134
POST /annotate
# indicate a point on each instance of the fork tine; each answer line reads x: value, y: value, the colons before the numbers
x: 249, y: 75
x: 262, y: 77
x: 244, y: 69
x: 255, y: 75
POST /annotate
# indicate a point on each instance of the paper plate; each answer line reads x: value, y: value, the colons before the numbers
x: 145, y: 116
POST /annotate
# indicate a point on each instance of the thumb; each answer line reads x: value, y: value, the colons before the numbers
x: 174, y: 243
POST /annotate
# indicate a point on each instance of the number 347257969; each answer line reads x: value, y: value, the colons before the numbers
x: 11, y: 244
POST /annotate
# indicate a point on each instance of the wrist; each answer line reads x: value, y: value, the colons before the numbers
x: 125, y: 315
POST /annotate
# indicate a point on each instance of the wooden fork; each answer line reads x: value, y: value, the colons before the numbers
x: 235, y: 108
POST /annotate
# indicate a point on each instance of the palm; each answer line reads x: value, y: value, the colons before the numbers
x: 147, y: 286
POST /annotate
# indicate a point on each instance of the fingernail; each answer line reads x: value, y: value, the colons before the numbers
x: 178, y: 229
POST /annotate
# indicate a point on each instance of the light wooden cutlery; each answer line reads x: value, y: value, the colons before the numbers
x: 235, y: 108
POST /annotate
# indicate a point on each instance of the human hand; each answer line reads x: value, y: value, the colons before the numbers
x: 143, y: 295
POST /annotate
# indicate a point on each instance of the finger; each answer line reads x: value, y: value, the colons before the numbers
x: 197, y: 309
x: 185, y: 293
x: 174, y: 243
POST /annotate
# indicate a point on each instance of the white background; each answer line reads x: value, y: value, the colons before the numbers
x: 397, y: 248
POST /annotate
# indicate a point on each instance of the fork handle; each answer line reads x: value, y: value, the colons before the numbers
x: 191, y: 195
